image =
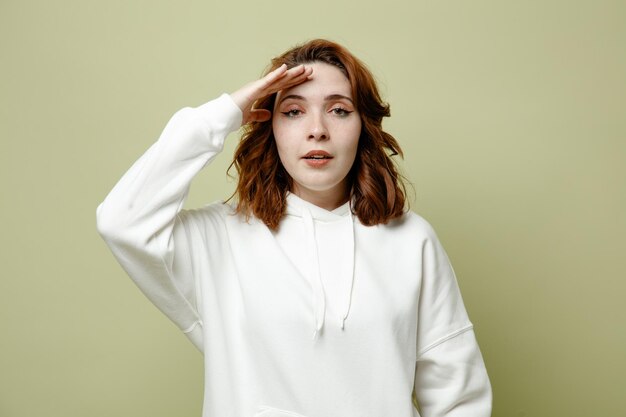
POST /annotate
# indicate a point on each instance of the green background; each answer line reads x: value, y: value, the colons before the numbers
x: 512, y: 118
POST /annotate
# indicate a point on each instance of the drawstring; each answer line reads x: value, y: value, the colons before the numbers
x: 350, y: 251
x: 319, y: 298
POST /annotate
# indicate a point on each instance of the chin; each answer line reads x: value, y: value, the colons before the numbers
x: 318, y: 186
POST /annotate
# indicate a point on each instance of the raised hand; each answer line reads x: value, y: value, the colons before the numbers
x: 279, y: 79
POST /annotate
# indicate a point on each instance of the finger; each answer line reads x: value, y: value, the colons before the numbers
x: 294, y: 76
x: 305, y: 74
x: 275, y: 75
x: 295, y: 72
x: 295, y: 80
x: 290, y: 73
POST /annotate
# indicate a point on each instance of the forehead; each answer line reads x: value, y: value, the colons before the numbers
x: 326, y: 79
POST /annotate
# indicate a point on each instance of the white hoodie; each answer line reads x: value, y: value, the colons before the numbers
x: 325, y: 317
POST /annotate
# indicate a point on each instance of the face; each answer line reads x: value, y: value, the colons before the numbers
x: 317, y: 128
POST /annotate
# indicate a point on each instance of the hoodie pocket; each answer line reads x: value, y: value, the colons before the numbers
x: 267, y: 411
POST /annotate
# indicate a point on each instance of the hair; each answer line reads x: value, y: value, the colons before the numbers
x: 377, y: 190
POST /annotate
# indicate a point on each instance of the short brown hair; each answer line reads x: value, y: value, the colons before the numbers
x: 377, y: 190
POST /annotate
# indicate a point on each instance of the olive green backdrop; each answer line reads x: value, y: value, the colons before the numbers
x: 512, y: 118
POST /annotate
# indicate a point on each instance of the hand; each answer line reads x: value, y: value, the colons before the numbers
x: 279, y: 79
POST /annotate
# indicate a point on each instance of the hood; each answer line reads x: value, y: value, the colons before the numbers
x: 343, y: 222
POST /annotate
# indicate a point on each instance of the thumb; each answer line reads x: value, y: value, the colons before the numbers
x: 260, y: 115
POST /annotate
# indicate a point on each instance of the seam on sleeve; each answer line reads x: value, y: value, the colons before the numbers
x: 193, y: 326
x: 444, y: 339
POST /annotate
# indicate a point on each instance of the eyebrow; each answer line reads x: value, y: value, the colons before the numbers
x: 327, y: 98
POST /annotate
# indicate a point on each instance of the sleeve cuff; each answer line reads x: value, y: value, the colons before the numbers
x: 223, y: 113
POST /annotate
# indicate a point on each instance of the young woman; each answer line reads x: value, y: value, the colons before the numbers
x: 315, y: 293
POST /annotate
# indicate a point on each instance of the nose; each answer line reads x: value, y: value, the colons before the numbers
x: 317, y: 127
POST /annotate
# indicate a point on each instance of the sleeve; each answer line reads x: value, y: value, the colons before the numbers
x: 142, y: 221
x: 450, y: 375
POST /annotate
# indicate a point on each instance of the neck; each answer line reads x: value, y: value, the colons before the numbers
x: 327, y: 199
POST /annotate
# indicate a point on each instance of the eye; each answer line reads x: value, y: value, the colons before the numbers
x: 340, y: 111
x: 292, y: 113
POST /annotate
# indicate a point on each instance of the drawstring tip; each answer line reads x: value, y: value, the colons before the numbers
x: 342, y: 322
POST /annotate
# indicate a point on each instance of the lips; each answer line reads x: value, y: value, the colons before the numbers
x: 317, y: 154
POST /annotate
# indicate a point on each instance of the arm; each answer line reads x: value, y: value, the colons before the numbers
x: 450, y: 375
x: 142, y: 220
x: 138, y: 217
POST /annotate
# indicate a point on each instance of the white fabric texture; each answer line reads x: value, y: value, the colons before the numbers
x: 324, y: 317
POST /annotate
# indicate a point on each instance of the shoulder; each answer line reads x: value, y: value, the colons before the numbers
x: 412, y: 224
x: 213, y: 214
x: 404, y: 236
x: 220, y: 215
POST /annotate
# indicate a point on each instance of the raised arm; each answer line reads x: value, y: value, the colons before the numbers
x: 141, y: 219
